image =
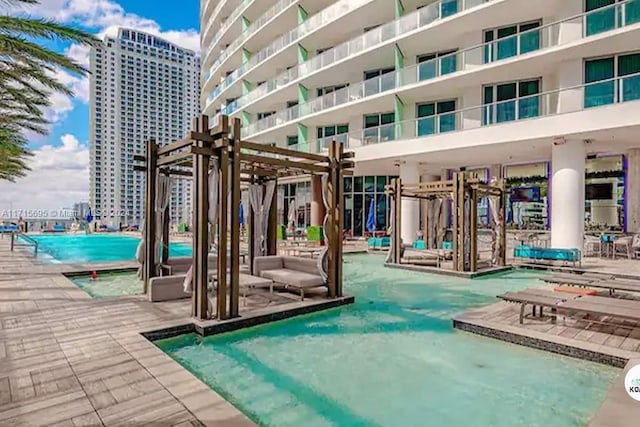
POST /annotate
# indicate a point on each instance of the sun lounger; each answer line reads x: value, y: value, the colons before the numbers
x: 289, y: 272
x: 536, y: 298
x: 596, y: 281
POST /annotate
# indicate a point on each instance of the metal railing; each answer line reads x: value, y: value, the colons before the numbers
x: 29, y: 242
x: 322, y: 18
x: 559, y: 101
x: 518, y: 44
x: 376, y: 37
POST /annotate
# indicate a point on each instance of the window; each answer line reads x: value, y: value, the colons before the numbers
x: 604, y: 17
x: 511, y: 101
x: 436, y: 117
x: 433, y: 65
x: 265, y: 115
x: 292, y: 140
x: 380, y: 80
x: 327, y: 133
x: 626, y: 68
x: 510, y: 41
x: 379, y: 127
x: 322, y: 91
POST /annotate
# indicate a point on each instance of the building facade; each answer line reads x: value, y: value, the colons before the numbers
x: 142, y: 87
x: 543, y: 95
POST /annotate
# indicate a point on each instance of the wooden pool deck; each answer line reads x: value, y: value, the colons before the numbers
x: 613, y: 343
x: 69, y: 360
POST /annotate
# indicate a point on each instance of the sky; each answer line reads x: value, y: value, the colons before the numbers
x: 60, y: 165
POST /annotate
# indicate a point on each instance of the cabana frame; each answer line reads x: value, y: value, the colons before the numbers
x: 464, y: 193
x: 238, y: 162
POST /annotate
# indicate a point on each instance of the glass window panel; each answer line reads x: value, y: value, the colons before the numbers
x: 448, y: 64
x: 387, y: 118
x: 628, y: 64
x: 381, y: 181
x: 630, y: 88
x: 358, y: 212
x: 357, y: 184
x: 600, y: 93
x: 487, y: 114
x: 371, y: 121
x: 446, y: 106
x: 425, y: 58
x: 329, y: 130
x: 425, y: 110
x: 381, y: 212
x: 632, y: 12
x: 599, y: 21
x: 448, y: 8
x: 343, y: 129
x: 506, y: 91
x: 348, y: 212
x: 319, y: 132
x: 530, y: 41
x: 369, y: 184
x: 427, y: 70
x: 426, y: 126
x: 348, y: 184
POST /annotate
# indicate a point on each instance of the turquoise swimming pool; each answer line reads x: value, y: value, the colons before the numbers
x: 393, y: 359
x: 95, y: 248
x: 110, y: 285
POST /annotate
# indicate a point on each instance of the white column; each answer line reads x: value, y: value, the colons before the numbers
x: 410, y: 219
x: 567, y: 194
x: 633, y: 192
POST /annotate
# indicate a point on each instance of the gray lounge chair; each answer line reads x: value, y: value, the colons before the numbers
x: 536, y: 298
x: 601, y: 281
x: 289, y: 272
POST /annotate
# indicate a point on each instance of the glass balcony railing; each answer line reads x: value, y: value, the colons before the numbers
x: 418, y: 19
x: 428, y: 70
x: 608, y: 18
x: 215, y: 13
x: 253, y: 27
x: 230, y: 20
x: 321, y: 18
x: 597, y: 94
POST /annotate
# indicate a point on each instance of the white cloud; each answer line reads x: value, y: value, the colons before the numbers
x: 59, y: 178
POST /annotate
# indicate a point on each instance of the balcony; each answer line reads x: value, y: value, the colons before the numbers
x: 551, y: 103
x: 315, y: 22
x: 377, y: 37
x: 517, y: 45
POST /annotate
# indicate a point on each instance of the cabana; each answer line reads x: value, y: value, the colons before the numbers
x: 463, y: 193
x: 218, y: 162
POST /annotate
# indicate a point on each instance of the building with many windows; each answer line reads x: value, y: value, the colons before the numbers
x: 142, y: 87
x: 541, y: 94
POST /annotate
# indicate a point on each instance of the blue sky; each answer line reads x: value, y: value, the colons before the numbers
x: 60, y: 165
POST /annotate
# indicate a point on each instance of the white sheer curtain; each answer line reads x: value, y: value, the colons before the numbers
x: 163, y: 197
x: 495, y: 222
x: 261, y: 204
x: 212, y: 216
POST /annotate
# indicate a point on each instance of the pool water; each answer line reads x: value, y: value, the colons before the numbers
x: 95, y: 248
x: 394, y: 359
x: 110, y: 285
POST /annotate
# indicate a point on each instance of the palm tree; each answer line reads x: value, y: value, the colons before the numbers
x: 27, y: 80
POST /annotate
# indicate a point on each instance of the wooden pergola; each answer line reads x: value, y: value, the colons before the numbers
x: 238, y: 163
x: 464, y: 193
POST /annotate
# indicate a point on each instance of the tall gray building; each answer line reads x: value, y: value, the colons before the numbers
x: 142, y: 87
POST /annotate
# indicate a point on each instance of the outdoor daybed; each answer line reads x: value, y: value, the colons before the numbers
x: 289, y: 272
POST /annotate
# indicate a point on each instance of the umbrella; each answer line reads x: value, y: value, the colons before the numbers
x: 371, y: 218
x: 89, y: 217
x: 241, y: 213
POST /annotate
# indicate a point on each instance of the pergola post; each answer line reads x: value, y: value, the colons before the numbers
x: 473, y: 230
x: 150, y: 215
x: 458, y: 222
x: 251, y: 229
x: 397, y: 221
x: 234, y: 297
x: 339, y: 217
x: 502, y: 237
x: 165, y: 232
x: 334, y: 241
x: 200, y: 224
x: 223, y: 221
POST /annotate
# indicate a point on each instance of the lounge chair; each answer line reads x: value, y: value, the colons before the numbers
x: 574, y: 304
x: 289, y: 272
x: 592, y: 280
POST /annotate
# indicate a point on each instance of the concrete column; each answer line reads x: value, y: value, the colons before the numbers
x: 567, y: 194
x: 410, y: 218
x: 632, y: 194
x: 317, y: 206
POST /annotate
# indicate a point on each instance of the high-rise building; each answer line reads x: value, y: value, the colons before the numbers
x: 142, y: 87
x: 541, y: 94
